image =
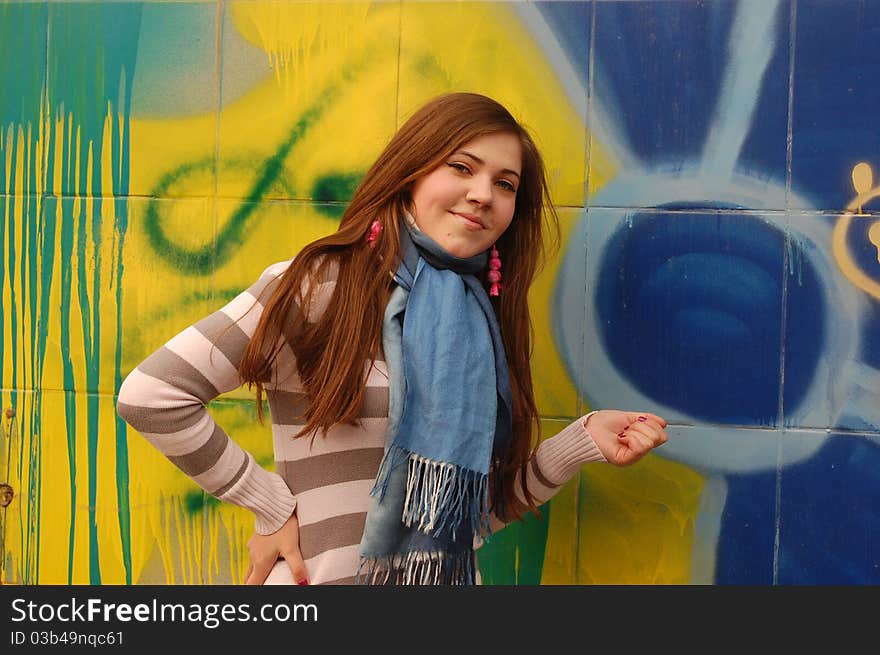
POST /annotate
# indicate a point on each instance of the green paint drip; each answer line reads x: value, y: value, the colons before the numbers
x: 22, y: 526
x: 13, y: 319
x: 33, y: 514
x: 24, y: 254
x: 48, y: 231
x: 89, y: 347
x: 11, y: 444
x: 46, y: 246
x: 67, y: 368
x: 28, y: 276
x: 121, y: 153
x: 2, y: 275
x: 122, y: 474
x: 29, y: 273
x: 35, y: 484
x: 93, y: 371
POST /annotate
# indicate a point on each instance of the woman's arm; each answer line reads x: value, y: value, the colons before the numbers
x: 554, y: 462
x: 615, y: 436
x: 164, y: 399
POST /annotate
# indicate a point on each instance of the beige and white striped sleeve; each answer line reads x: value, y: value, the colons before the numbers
x: 555, y: 461
x: 164, y: 399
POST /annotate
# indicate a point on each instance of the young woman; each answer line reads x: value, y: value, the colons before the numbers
x: 394, y: 355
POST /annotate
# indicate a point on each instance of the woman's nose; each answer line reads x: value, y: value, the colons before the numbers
x: 480, y: 190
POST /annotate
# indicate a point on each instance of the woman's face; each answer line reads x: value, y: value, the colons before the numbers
x: 467, y: 202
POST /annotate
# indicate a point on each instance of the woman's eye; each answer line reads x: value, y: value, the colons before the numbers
x: 507, y: 186
x: 461, y: 168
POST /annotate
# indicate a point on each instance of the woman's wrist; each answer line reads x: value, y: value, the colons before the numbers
x: 586, y: 419
x: 265, y: 494
x: 561, y: 456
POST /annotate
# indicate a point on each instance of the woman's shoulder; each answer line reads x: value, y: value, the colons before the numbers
x: 276, y: 269
x: 324, y: 269
x: 318, y: 283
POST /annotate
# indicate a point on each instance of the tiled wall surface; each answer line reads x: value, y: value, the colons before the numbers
x: 712, y: 164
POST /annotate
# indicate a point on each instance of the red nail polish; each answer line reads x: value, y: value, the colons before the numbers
x: 643, y: 418
x: 303, y: 582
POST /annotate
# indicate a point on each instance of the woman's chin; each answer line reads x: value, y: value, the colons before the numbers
x: 461, y: 250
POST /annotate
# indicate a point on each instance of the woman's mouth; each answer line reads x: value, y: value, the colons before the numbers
x: 470, y: 220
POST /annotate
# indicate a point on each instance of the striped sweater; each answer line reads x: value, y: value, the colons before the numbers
x: 326, y: 480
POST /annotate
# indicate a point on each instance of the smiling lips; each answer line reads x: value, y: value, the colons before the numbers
x: 470, y: 219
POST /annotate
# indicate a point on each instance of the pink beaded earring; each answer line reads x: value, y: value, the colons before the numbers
x: 494, y: 272
x: 375, y: 231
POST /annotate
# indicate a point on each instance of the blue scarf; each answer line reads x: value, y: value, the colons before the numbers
x: 449, y: 419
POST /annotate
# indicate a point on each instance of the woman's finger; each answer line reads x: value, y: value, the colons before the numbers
x: 260, y: 571
x: 663, y: 438
x: 657, y: 435
x: 297, y: 567
x: 641, y: 417
x: 654, y: 429
x: 642, y: 435
x: 247, y: 573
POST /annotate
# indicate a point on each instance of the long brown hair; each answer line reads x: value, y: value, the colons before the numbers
x: 332, y: 351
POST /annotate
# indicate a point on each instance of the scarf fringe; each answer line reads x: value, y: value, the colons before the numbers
x: 418, y: 568
x: 439, y: 495
x: 392, y: 458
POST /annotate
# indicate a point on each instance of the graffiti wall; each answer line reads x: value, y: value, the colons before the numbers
x: 713, y: 165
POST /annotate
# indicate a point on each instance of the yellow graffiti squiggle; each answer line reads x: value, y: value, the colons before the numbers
x: 841, y: 253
